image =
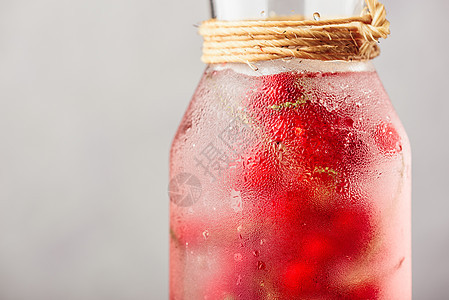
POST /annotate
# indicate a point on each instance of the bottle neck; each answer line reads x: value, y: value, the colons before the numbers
x: 262, y: 9
x: 271, y: 67
x: 231, y: 10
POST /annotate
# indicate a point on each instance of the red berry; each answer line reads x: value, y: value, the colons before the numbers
x: 318, y: 247
x: 281, y: 88
x: 352, y: 230
x: 272, y: 105
x: 300, y: 278
x: 388, y: 139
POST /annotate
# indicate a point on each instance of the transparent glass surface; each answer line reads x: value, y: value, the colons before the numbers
x: 290, y: 182
x: 290, y: 179
x: 257, y: 9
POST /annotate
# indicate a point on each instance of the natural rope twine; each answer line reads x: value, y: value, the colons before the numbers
x: 348, y: 39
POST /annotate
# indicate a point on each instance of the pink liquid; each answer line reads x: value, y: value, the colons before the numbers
x: 290, y: 186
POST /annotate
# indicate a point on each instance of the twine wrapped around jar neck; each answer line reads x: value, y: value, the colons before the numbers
x: 348, y: 39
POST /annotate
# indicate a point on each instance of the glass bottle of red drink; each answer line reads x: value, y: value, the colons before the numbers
x: 290, y: 179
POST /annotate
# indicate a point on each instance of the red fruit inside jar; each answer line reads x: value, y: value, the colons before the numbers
x: 304, y: 192
x: 387, y: 139
x: 301, y: 277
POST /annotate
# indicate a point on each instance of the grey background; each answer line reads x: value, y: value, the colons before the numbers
x: 91, y: 93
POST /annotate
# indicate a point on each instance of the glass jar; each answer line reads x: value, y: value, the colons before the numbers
x: 290, y: 179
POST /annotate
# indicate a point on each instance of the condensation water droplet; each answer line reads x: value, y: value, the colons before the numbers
x: 350, y: 123
x: 299, y: 131
x: 256, y: 253
x: 287, y: 58
x: 239, y: 228
x: 262, y: 241
x: 316, y: 16
x: 236, y: 201
x: 261, y: 265
x: 205, y: 234
x: 239, y: 279
x: 252, y: 66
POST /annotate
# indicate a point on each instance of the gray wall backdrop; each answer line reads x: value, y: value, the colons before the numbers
x: 91, y: 93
